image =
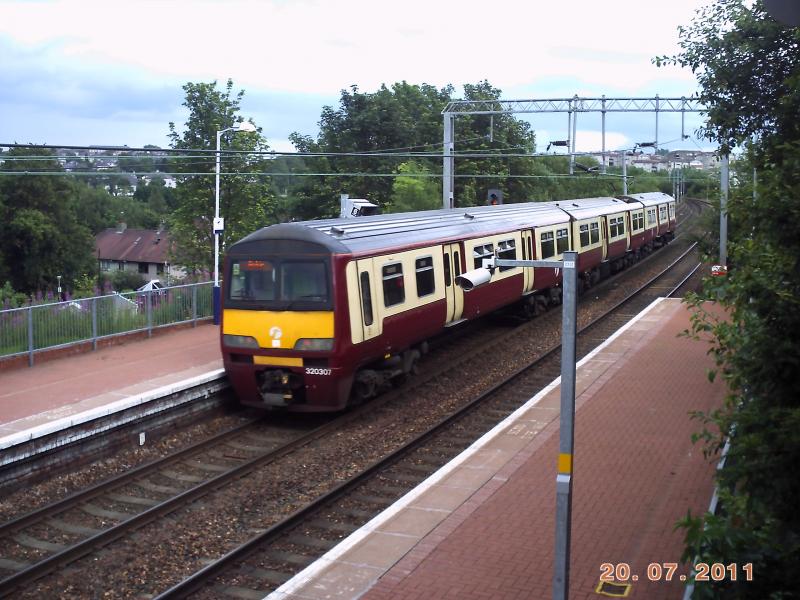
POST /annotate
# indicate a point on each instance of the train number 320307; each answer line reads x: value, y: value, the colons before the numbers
x: 318, y: 371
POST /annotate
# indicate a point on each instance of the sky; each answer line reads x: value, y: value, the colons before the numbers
x: 82, y: 72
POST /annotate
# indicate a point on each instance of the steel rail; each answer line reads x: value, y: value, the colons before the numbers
x: 88, y: 545
x: 108, y: 485
x: 200, y: 578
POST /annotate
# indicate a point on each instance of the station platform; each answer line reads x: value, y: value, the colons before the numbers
x: 65, y: 392
x: 484, y: 525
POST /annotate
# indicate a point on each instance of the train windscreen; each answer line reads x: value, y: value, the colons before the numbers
x: 265, y: 284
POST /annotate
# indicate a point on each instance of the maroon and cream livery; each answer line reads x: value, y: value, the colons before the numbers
x: 321, y: 313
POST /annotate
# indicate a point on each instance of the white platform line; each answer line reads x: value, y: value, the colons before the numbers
x: 314, y: 569
x: 107, y: 409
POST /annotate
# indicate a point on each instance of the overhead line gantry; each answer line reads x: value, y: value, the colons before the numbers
x: 571, y: 106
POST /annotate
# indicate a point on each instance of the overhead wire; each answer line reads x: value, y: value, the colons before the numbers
x: 333, y: 174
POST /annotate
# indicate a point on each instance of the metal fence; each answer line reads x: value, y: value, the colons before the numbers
x: 35, y: 328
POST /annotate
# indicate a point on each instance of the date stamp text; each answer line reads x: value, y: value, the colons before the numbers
x: 668, y: 571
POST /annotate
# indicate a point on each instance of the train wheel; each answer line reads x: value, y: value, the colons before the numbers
x: 364, y: 388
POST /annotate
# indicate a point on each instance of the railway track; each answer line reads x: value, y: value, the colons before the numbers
x: 316, y: 533
x: 267, y: 560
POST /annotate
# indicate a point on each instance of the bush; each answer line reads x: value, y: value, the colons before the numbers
x: 10, y: 298
x: 125, y: 281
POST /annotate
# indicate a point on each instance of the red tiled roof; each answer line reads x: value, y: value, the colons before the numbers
x: 133, y: 245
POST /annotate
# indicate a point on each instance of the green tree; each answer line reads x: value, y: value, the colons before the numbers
x: 42, y: 236
x: 157, y: 197
x: 246, y: 199
x: 414, y: 189
x: 98, y: 210
x: 503, y: 136
x: 364, y: 130
x: 368, y: 136
x: 748, y: 66
x: 136, y: 162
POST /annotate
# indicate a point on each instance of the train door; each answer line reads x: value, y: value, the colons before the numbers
x: 604, y: 234
x: 364, y: 307
x: 527, y: 254
x: 453, y: 293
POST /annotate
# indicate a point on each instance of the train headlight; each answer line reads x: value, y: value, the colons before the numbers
x: 318, y: 344
x: 240, y: 341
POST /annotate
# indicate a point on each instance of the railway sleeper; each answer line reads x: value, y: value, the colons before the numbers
x: 288, y: 558
x: 312, y: 542
x: 243, y: 593
x: 270, y: 575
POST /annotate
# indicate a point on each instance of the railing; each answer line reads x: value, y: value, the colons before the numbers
x: 31, y: 329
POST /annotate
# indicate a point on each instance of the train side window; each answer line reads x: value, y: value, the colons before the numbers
x: 530, y: 247
x: 548, y: 245
x: 366, y: 298
x: 651, y: 216
x: 393, y: 285
x: 584, y: 235
x: 425, y: 282
x: 662, y: 213
x: 594, y: 232
x: 481, y: 252
x: 447, y: 279
x: 457, y: 263
x: 507, y: 250
x: 637, y: 221
x: 524, y: 247
x: 562, y: 240
x: 671, y: 211
x: 621, y: 225
x: 616, y: 227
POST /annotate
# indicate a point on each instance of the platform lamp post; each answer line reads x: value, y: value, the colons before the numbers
x: 219, y: 223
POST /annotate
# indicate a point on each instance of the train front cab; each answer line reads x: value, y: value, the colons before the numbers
x: 278, y: 333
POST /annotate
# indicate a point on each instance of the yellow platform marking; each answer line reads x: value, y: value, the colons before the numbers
x: 565, y: 463
x: 613, y: 590
x: 278, y: 361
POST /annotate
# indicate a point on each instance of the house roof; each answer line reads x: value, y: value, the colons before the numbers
x: 133, y: 245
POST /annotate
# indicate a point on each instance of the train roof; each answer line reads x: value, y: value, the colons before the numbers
x: 586, y: 208
x: 649, y: 198
x: 361, y: 234
x: 385, y: 232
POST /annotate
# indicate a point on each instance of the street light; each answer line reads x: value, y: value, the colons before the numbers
x: 219, y: 223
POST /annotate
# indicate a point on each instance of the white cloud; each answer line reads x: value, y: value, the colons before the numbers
x: 64, y: 52
x: 320, y: 47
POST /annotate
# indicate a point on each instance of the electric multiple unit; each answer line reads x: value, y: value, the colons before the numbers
x: 319, y: 314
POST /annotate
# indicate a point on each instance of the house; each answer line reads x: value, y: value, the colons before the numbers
x: 143, y: 251
x: 169, y: 181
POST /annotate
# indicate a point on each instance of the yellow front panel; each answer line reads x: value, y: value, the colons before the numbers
x: 278, y: 361
x: 279, y: 330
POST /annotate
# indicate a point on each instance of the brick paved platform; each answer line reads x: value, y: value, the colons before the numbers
x: 483, y: 526
x: 81, y: 387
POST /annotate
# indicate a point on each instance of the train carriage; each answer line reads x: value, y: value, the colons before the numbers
x: 602, y: 230
x: 319, y: 313
x: 660, y: 221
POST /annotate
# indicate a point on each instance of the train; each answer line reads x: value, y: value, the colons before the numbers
x: 318, y: 315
